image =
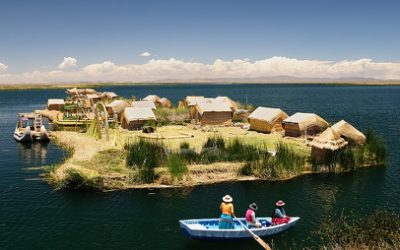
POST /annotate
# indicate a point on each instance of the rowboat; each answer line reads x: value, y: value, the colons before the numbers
x: 207, y: 229
x: 30, y: 128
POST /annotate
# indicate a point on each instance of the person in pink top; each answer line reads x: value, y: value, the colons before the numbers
x: 251, y: 216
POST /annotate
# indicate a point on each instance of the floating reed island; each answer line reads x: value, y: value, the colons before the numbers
x: 119, y: 143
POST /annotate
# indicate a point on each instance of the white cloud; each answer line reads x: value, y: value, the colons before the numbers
x: 163, y: 69
x: 3, y: 67
x: 68, y: 62
x: 145, y: 54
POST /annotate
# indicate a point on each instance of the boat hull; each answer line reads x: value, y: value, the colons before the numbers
x: 24, y: 136
x: 207, y: 229
x: 41, y: 136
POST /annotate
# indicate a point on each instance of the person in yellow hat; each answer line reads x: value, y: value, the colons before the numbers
x: 227, y: 213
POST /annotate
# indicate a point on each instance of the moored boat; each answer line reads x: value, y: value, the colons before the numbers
x: 30, y: 127
x: 207, y: 229
x: 22, y: 134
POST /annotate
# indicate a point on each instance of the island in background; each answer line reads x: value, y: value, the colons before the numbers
x: 116, y: 143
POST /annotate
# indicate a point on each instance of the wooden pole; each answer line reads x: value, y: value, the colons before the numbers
x: 96, y: 117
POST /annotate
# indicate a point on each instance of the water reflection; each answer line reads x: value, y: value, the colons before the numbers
x: 33, y: 154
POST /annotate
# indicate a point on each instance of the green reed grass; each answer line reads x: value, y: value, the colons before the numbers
x: 379, y: 230
x: 177, y: 167
x: 144, y: 156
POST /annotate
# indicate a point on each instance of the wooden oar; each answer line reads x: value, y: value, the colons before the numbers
x: 258, y: 239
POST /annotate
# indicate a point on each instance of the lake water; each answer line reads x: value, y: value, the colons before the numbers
x: 33, y: 216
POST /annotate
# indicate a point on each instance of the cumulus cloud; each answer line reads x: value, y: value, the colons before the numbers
x: 68, y: 62
x: 145, y: 54
x: 3, y: 67
x: 164, y: 69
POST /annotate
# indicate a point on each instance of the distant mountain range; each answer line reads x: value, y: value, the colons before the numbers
x: 258, y: 80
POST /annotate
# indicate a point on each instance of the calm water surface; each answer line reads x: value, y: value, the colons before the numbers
x: 33, y: 216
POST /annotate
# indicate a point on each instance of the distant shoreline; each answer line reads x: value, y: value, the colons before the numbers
x: 38, y: 86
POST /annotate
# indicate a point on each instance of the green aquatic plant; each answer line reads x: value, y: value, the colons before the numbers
x: 144, y: 156
x: 379, y: 230
x: 177, y: 167
x: 214, y: 142
x: 236, y: 150
x: 76, y: 179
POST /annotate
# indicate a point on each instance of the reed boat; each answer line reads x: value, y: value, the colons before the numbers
x: 207, y: 229
x: 30, y: 128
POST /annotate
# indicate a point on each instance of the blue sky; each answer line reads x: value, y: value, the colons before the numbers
x: 37, y: 35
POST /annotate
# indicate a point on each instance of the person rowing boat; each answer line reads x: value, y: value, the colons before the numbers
x: 227, y: 213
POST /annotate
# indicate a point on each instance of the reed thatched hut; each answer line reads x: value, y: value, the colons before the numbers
x: 108, y: 96
x: 135, y: 118
x: 55, y: 104
x: 213, y: 113
x: 153, y: 98
x: 349, y: 133
x: 165, y: 103
x: 93, y: 98
x: 116, y: 107
x: 232, y: 104
x: 144, y: 104
x: 266, y: 120
x: 328, y: 141
x: 191, y: 101
x: 304, y: 124
x: 76, y: 91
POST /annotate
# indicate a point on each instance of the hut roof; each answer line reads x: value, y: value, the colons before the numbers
x: 76, y: 91
x: 305, y: 119
x: 55, y: 102
x: 153, y: 98
x: 143, y: 104
x: 117, y: 106
x: 141, y: 113
x: 228, y: 100
x: 165, y: 102
x: 267, y: 114
x: 345, y: 129
x: 92, y: 96
x: 193, y: 100
x: 329, y: 139
x: 212, y: 106
x: 109, y: 95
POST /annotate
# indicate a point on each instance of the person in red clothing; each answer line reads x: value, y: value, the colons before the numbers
x: 279, y: 215
x: 251, y: 216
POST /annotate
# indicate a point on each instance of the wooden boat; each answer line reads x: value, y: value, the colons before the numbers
x: 30, y: 128
x: 207, y: 229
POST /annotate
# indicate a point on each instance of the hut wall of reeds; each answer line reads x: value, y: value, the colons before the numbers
x: 135, y: 118
x: 349, y: 133
x: 213, y: 113
x: 327, y: 141
x: 303, y: 124
x: 267, y: 120
x: 55, y: 104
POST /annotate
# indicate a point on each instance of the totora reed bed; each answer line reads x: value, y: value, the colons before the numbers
x: 177, y: 156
